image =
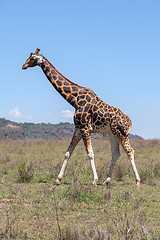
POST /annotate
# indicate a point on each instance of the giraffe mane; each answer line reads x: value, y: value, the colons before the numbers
x: 85, y: 88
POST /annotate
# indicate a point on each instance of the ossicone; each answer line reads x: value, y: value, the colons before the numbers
x: 37, y: 51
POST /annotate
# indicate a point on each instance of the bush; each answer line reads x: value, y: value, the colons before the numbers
x: 25, y: 173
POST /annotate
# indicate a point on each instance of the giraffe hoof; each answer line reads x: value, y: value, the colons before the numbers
x: 107, y: 181
x: 58, y: 182
x: 94, y: 183
x: 138, y: 183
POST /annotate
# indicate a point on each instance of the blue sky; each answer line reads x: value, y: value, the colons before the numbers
x: 112, y: 47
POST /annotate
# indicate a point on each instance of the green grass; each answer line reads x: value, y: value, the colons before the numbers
x: 32, y: 207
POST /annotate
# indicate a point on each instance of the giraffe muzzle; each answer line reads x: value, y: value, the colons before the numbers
x: 24, y: 67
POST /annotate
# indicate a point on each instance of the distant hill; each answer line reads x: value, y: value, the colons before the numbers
x: 13, y: 130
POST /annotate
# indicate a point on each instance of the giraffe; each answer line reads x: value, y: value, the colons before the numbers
x: 92, y: 115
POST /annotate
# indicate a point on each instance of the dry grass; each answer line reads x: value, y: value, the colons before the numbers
x: 32, y: 207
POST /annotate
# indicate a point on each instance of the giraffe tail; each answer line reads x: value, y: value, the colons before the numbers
x: 125, y: 129
x: 122, y: 130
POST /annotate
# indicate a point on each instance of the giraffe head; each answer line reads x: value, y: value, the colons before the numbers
x: 34, y: 60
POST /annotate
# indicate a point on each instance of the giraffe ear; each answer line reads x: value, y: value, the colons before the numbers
x: 37, y: 51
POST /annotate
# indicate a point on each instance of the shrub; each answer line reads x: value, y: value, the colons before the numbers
x: 25, y: 173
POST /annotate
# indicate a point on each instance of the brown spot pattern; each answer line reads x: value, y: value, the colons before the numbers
x: 90, y: 109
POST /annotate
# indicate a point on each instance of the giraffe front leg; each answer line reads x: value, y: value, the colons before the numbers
x: 75, y: 139
x: 87, y: 142
x: 91, y: 158
x: 67, y: 156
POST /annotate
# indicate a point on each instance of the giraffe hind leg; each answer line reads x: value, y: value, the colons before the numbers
x: 115, y: 155
x: 130, y: 153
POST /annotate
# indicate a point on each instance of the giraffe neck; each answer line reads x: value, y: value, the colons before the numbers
x: 67, y: 89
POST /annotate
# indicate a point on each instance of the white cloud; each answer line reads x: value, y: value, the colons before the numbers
x: 15, y: 113
x: 67, y: 114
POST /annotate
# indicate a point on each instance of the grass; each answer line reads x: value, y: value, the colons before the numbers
x: 32, y: 207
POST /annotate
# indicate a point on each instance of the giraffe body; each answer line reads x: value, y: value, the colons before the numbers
x: 92, y: 115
